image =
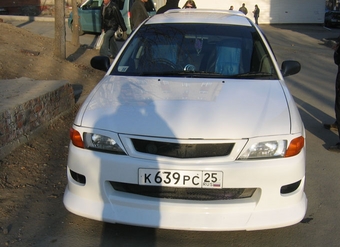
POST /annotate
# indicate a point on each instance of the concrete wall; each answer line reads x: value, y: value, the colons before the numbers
x: 28, y: 106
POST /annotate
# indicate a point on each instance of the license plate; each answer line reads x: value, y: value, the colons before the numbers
x: 176, y: 178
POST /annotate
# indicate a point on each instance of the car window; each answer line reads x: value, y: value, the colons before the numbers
x: 93, y: 4
x: 198, y: 50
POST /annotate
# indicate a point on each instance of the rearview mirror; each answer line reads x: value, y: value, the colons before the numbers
x: 100, y: 63
x: 290, y: 67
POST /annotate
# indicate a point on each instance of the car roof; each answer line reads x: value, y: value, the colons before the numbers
x: 201, y: 16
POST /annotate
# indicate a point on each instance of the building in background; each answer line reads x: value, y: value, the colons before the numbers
x: 274, y: 11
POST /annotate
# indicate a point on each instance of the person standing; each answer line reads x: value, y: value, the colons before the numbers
x: 243, y: 9
x: 138, y: 13
x: 336, y: 125
x: 231, y: 7
x: 256, y: 14
x: 170, y: 4
x: 111, y: 19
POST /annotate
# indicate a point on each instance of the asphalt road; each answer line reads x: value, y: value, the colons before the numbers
x: 313, y: 90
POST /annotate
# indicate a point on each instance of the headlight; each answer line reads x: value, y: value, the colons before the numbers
x: 102, y: 143
x: 268, y: 149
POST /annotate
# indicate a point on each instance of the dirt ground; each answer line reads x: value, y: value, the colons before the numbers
x: 33, y: 177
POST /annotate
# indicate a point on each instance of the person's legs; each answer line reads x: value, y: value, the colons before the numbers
x: 336, y: 147
x: 334, y: 126
x: 104, y: 49
x: 113, y: 47
x: 337, y: 103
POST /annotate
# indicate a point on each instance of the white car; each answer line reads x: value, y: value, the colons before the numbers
x: 191, y: 128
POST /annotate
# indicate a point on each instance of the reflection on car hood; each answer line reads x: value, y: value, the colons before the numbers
x: 187, y: 107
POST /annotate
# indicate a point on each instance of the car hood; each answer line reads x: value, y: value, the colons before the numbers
x: 187, y: 107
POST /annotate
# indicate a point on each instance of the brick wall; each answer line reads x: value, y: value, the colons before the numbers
x: 19, y: 122
x: 29, y: 7
x: 11, y: 3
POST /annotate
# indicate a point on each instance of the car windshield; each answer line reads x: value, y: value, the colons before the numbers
x: 196, y: 50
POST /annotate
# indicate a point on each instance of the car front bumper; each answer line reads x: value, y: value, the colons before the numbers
x: 266, y: 208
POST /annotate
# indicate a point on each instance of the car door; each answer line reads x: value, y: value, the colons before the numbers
x: 89, y: 16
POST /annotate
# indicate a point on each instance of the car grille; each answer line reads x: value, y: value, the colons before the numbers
x: 178, y: 150
x: 198, y: 194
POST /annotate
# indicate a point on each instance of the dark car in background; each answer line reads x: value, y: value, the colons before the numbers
x: 332, y: 19
x: 3, y: 11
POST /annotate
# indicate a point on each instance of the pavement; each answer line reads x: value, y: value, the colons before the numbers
x: 27, y: 18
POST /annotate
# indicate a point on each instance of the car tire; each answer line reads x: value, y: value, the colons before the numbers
x: 119, y: 34
x: 80, y: 31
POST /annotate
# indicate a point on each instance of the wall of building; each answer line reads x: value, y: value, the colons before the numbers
x: 273, y: 11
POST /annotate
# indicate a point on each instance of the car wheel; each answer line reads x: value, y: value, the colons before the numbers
x: 328, y: 24
x: 119, y: 34
x: 80, y: 31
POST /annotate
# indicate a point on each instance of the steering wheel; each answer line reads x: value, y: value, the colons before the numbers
x: 166, y: 63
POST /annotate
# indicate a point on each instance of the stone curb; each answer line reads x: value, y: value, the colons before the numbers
x: 28, y: 18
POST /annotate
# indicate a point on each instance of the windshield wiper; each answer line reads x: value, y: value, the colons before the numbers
x: 159, y: 73
x: 183, y: 73
x: 205, y: 74
x: 201, y: 74
x: 252, y: 75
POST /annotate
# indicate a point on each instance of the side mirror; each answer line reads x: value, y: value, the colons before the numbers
x: 290, y: 67
x: 100, y: 63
